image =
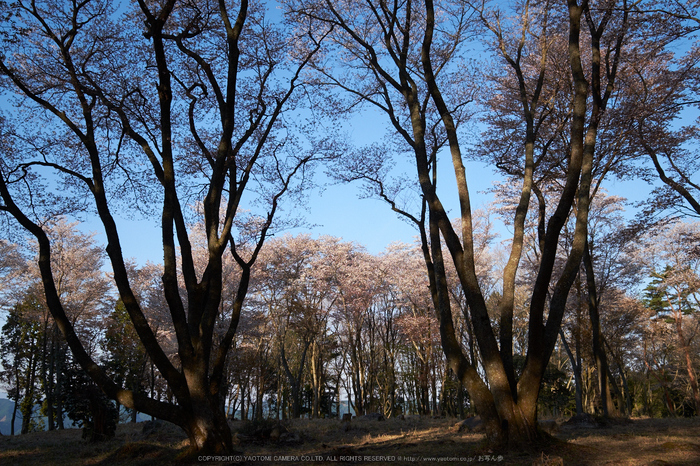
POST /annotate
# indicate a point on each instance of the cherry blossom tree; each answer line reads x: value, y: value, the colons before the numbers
x: 87, y: 295
x: 405, y: 60
x: 153, y: 106
x: 674, y: 265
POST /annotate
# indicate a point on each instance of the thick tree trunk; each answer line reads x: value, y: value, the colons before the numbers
x: 510, y: 425
x: 207, y: 429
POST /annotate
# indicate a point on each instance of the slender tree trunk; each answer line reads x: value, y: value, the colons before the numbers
x: 61, y: 352
x: 678, y: 315
x: 259, y: 395
x: 576, y: 369
x: 27, y: 407
x: 243, y: 405
x: 443, y: 405
x: 316, y: 378
x: 623, y: 377
x: 433, y: 392
x: 670, y: 405
x: 357, y: 376
x: 295, y: 380
x: 425, y: 389
x: 47, y: 369
x: 279, y: 395
x: 601, y: 360
x: 615, y: 390
x: 14, y: 414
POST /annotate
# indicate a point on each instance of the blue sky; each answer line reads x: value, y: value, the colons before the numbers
x: 336, y: 210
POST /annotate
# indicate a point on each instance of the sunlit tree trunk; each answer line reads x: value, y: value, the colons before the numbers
x: 316, y: 378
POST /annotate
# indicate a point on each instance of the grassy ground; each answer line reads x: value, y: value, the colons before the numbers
x: 394, y: 441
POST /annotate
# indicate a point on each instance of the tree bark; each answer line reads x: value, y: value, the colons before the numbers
x: 685, y: 347
x: 207, y: 428
x: 196, y: 383
x: 27, y: 406
x: 317, y: 379
x: 576, y: 369
x: 601, y: 360
x: 295, y: 379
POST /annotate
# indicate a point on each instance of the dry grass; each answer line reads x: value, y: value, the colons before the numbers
x: 411, y: 441
x: 66, y: 447
x: 641, y: 442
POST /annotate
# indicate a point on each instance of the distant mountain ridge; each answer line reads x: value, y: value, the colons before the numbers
x: 6, y: 417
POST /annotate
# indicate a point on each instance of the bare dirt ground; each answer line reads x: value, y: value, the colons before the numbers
x: 396, y: 442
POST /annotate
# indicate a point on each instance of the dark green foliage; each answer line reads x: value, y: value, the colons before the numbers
x: 654, y: 297
x: 455, y: 399
x: 125, y: 356
x: 19, y: 354
x: 657, y: 293
x: 88, y: 407
x: 555, y: 396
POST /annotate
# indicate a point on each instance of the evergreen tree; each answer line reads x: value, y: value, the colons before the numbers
x: 87, y: 406
x: 20, y: 353
x: 655, y: 297
x: 125, y: 356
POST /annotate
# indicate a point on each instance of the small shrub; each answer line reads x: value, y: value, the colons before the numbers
x: 260, y: 428
x: 89, y: 408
